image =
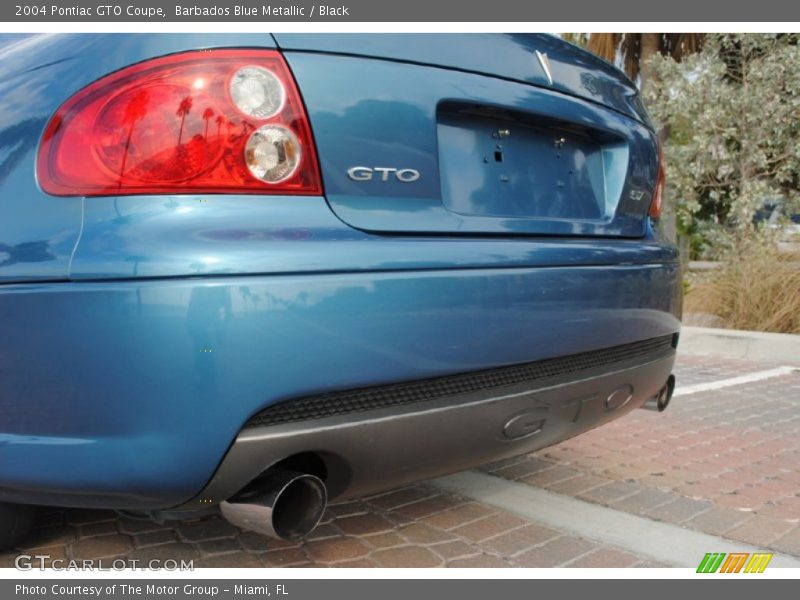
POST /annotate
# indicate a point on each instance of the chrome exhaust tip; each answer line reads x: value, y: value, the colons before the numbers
x: 661, y: 400
x: 284, y: 505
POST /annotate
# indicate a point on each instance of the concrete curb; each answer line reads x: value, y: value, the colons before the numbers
x: 755, y: 345
x: 664, y: 542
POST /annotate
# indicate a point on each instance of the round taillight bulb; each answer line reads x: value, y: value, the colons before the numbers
x: 257, y: 92
x: 272, y: 153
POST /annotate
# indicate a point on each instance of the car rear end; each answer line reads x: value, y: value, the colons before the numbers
x: 459, y: 263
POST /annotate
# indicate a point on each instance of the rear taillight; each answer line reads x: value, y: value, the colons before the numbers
x: 658, y: 192
x: 216, y: 121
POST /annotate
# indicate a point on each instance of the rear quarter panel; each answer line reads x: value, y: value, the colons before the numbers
x: 38, y: 232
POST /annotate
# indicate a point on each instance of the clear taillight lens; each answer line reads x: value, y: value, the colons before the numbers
x: 216, y: 121
x: 658, y: 193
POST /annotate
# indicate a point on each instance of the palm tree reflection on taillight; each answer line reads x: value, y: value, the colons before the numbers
x: 144, y: 130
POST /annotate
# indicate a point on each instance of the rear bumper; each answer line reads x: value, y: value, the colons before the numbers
x: 409, y: 438
x: 129, y: 394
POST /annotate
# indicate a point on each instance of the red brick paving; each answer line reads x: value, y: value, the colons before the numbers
x: 723, y: 462
x: 422, y: 528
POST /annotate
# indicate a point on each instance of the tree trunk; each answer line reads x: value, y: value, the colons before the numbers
x: 650, y: 46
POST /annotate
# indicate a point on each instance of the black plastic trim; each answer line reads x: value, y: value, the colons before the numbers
x: 400, y: 394
x: 373, y: 450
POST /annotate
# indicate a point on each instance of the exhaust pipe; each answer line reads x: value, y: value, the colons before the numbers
x: 661, y: 400
x: 285, y: 505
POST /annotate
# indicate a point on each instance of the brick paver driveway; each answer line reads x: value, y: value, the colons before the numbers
x: 723, y: 462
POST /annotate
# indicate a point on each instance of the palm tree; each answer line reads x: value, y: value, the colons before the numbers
x: 134, y: 111
x: 220, y: 121
x: 207, y: 114
x: 635, y: 49
x: 183, y: 109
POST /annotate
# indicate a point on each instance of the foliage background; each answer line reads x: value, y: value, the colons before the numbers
x: 727, y: 107
x: 732, y: 113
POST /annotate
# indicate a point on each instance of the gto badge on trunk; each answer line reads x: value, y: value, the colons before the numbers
x: 382, y: 174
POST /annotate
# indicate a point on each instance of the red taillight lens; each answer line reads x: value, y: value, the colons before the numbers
x: 658, y: 192
x: 216, y: 121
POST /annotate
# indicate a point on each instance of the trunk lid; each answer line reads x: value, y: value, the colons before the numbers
x: 512, y: 56
x: 475, y: 134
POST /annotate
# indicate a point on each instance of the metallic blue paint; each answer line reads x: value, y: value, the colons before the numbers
x: 137, y: 334
x: 509, y: 56
x: 134, y: 236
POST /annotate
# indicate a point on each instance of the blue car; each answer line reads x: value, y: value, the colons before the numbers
x: 250, y: 273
